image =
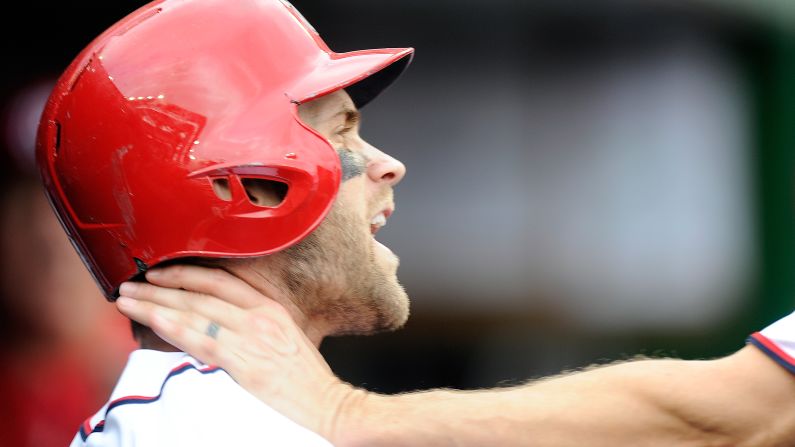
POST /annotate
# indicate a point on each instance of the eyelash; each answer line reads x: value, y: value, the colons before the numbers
x: 344, y: 130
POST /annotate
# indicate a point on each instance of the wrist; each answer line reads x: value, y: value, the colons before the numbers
x: 344, y: 408
x: 367, y: 419
x: 358, y: 420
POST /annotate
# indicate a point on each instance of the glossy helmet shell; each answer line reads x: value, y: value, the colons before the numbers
x: 182, y: 93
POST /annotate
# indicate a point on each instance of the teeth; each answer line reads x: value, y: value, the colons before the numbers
x: 379, y: 220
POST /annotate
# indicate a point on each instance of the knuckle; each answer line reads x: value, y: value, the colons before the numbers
x: 195, y: 301
x: 217, y: 280
x: 280, y: 312
x: 145, y: 291
x: 163, y: 326
x: 176, y: 271
x: 216, y: 275
x: 261, y: 323
x: 257, y: 381
x: 176, y: 328
x: 253, y: 320
x: 279, y: 315
x: 183, y: 320
x: 210, y: 349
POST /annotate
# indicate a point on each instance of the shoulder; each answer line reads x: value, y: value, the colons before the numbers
x: 193, y: 403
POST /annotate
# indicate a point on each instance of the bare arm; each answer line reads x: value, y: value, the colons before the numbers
x: 743, y: 399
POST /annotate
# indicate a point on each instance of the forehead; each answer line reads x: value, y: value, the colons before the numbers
x: 326, y: 108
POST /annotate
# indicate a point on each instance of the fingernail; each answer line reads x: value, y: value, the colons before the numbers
x: 154, y: 273
x: 124, y: 301
x: 128, y: 288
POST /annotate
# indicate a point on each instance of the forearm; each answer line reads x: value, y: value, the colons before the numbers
x: 594, y: 409
x: 644, y: 403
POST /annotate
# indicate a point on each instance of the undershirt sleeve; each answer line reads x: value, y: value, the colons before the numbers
x: 778, y: 341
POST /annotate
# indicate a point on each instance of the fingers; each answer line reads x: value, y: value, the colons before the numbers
x: 154, y: 315
x: 214, y: 283
x: 201, y: 346
x: 210, y: 281
x: 187, y: 332
x: 168, y: 301
x: 174, y: 298
x: 182, y: 319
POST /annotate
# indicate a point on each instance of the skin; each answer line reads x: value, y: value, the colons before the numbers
x: 358, y: 291
x: 744, y: 399
x: 269, y: 347
x: 339, y: 279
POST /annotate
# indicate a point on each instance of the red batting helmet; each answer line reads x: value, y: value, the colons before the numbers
x: 184, y: 93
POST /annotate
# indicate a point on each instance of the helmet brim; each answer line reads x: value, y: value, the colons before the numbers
x: 363, y: 74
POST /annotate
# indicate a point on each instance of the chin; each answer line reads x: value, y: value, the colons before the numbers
x: 385, y: 309
x: 348, y: 279
x: 397, y: 314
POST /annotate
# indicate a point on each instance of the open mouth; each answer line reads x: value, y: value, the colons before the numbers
x: 379, y: 220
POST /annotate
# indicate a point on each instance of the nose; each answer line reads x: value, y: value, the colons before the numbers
x: 382, y: 167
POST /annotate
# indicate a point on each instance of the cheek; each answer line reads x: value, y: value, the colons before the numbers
x: 352, y: 196
x: 352, y: 203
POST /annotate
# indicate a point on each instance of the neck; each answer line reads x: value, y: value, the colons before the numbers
x: 149, y: 340
x: 252, y: 273
x: 315, y: 331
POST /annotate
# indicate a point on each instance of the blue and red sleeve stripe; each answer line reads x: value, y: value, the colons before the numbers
x: 770, y: 348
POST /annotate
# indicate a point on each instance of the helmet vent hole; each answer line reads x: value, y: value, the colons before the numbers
x: 264, y: 192
x: 221, y: 189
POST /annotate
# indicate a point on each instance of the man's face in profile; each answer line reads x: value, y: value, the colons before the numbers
x: 340, y: 277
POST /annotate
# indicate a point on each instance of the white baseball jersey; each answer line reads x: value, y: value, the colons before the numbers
x: 778, y: 341
x: 172, y: 399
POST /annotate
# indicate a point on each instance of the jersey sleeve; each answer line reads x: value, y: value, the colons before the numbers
x: 778, y: 341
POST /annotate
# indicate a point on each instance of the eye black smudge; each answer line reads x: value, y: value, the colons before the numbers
x: 352, y: 166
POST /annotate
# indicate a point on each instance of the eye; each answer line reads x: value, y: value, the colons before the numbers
x: 343, y: 129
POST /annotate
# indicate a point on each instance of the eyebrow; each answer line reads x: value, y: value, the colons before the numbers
x: 352, y: 116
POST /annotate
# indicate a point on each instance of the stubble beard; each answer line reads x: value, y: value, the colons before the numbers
x: 335, y: 279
